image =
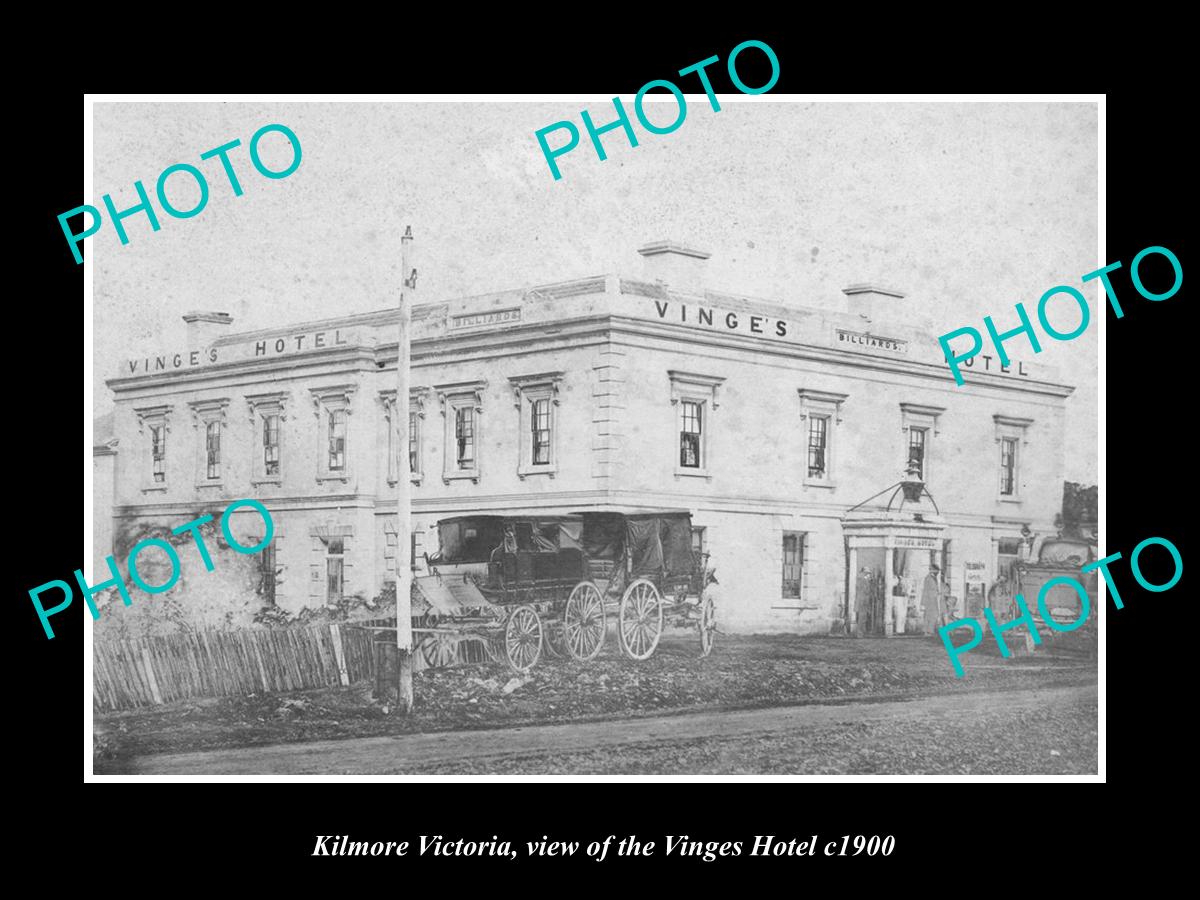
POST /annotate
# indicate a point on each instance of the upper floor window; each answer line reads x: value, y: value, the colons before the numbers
x: 332, y: 407
x: 464, y: 437
x: 919, y: 424
x: 689, y: 437
x: 818, y: 446
x: 539, y: 423
x: 154, y: 424
x: 416, y: 413
x: 1008, y: 466
x: 413, y: 444
x: 820, y: 414
x: 267, y: 415
x: 209, y: 419
x: 1012, y: 435
x: 916, y: 451
x: 212, y: 450
x: 271, y: 445
x: 462, y: 407
x: 694, y: 398
x: 337, y: 440
x: 158, y: 452
x: 537, y: 399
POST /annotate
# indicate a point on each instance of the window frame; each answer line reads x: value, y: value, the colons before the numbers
x: 920, y: 417
x: 150, y: 418
x: 801, y: 550
x: 1015, y: 429
x: 330, y: 558
x: 326, y: 401
x: 451, y: 398
x: 261, y: 408
x: 823, y: 405
x: 528, y: 392
x: 416, y: 414
x: 704, y: 392
x: 205, y: 414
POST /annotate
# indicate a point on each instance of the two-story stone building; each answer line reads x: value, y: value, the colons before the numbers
x: 770, y: 421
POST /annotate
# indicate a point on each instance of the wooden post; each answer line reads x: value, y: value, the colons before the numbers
x: 404, y: 697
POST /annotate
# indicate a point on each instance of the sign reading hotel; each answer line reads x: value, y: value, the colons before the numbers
x: 246, y: 350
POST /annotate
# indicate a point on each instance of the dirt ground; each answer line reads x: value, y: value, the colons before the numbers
x: 743, y: 672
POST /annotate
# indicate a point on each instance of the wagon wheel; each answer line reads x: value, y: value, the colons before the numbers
x: 583, y: 621
x: 707, y: 626
x: 523, y: 638
x: 439, y: 650
x: 640, y: 619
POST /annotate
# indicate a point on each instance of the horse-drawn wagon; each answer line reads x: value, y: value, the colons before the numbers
x: 522, y: 583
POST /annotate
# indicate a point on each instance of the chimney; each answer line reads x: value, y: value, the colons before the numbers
x: 873, y: 302
x: 205, y: 327
x: 674, y: 265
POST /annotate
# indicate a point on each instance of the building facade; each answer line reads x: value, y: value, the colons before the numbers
x: 775, y: 425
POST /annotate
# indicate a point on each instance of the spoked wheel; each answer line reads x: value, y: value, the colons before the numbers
x: 523, y: 638
x: 439, y: 650
x: 707, y: 626
x: 640, y: 619
x: 583, y: 622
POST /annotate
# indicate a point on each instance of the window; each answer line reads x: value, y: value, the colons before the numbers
x: 153, y: 424
x: 919, y: 424
x: 337, y: 440
x: 916, y: 451
x: 1008, y: 466
x: 267, y: 413
x: 462, y: 409
x: 331, y: 406
x: 271, y: 445
x: 536, y: 398
x: 212, y: 449
x: 464, y: 436
x: 689, y: 437
x: 539, y: 421
x: 416, y: 413
x: 266, y: 564
x: 694, y: 398
x: 334, y: 570
x: 158, y: 452
x: 818, y: 445
x: 698, y: 545
x: 413, y: 454
x: 793, y: 563
x: 820, y: 414
x: 209, y: 419
x: 1011, y: 438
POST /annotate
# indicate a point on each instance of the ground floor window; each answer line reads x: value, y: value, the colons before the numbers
x: 793, y: 563
x: 334, y: 571
x: 266, y: 563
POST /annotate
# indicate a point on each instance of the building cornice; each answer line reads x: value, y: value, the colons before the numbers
x: 526, y: 335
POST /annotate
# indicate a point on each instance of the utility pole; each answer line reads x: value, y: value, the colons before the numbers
x: 404, y: 696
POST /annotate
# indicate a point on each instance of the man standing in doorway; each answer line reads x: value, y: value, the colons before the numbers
x: 931, y: 600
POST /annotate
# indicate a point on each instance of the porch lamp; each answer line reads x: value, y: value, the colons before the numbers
x: 912, y: 484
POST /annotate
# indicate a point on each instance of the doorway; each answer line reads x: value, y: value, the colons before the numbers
x: 869, y: 592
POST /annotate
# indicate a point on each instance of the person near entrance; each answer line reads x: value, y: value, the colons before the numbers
x: 932, y: 600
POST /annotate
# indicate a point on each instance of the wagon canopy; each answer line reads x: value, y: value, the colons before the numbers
x: 658, y: 544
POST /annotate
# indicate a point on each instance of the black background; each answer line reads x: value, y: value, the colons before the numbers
x: 269, y: 830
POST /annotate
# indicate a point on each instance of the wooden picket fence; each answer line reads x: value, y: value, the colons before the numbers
x: 147, y: 671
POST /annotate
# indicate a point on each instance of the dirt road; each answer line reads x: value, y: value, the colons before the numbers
x: 1046, y: 731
